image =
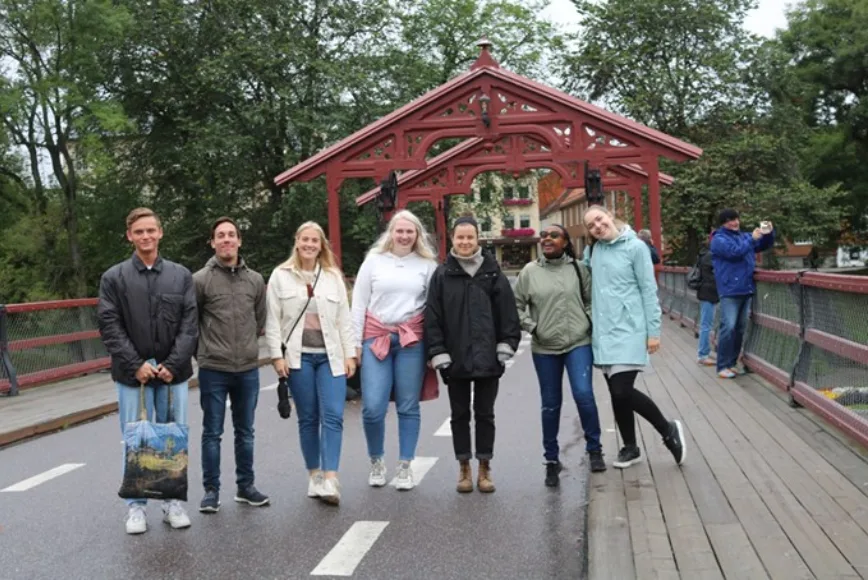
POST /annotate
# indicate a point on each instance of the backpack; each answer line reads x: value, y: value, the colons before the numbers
x: 694, y: 276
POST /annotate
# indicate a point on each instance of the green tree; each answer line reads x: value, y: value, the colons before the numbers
x: 53, y: 103
x: 826, y: 76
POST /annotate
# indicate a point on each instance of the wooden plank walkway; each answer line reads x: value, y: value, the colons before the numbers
x: 767, y: 491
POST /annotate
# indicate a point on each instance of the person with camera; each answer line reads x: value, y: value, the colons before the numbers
x: 231, y: 301
x: 733, y: 253
x: 471, y: 330
x: 310, y: 338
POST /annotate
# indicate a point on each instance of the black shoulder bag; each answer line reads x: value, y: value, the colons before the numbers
x: 284, y: 407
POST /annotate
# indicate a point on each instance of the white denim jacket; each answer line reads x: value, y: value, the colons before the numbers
x: 286, y: 298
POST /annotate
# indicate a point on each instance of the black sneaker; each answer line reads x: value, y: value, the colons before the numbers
x: 553, y: 469
x: 597, y: 463
x: 627, y: 456
x: 675, y: 442
x: 211, y: 502
x: 250, y: 495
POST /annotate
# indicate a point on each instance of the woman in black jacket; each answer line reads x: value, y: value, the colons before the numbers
x: 708, y: 299
x: 471, y: 329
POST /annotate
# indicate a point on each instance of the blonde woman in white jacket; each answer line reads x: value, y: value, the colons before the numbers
x: 308, y: 311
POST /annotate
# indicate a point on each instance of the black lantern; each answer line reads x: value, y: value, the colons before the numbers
x: 388, y: 195
x: 593, y: 186
x: 484, y: 102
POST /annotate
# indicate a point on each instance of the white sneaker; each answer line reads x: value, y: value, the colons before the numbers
x: 404, y: 479
x: 377, y: 478
x: 174, y: 514
x: 137, y: 523
x: 314, y: 486
x: 330, y: 492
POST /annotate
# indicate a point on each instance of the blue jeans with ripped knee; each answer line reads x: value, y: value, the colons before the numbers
x: 550, y: 373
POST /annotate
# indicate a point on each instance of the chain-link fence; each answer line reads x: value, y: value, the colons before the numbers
x: 43, y: 342
x: 808, y: 335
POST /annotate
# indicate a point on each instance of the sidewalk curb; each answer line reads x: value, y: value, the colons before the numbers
x: 78, y: 417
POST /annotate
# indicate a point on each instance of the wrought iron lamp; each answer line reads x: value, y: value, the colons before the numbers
x: 594, y: 186
x: 484, y: 102
x: 388, y: 193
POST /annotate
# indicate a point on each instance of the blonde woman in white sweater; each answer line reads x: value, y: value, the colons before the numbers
x: 388, y: 307
x: 308, y: 312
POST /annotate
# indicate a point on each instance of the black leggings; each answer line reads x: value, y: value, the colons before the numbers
x: 626, y: 399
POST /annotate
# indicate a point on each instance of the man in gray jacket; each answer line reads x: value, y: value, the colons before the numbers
x: 231, y: 300
x: 147, y: 321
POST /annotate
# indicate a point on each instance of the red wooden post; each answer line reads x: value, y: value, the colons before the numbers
x: 333, y: 184
x: 654, y: 204
x: 440, y: 226
x: 636, y: 194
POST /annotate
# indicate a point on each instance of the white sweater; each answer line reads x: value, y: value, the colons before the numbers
x: 393, y: 289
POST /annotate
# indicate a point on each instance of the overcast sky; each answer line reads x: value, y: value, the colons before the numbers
x: 768, y: 16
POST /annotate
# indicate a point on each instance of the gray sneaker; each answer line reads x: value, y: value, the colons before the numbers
x: 377, y: 477
x: 404, y: 479
x: 136, y: 522
x: 211, y: 502
x: 175, y: 515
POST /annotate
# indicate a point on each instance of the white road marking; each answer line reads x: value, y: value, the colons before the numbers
x: 509, y: 363
x: 420, y: 466
x: 519, y: 352
x: 43, y: 477
x: 445, y: 429
x: 350, y: 549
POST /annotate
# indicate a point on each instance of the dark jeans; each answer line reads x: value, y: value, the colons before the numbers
x: 243, y: 392
x: 626, y: 400
x: 733, y: 322
x: 485, y: 393
x: 550, y: 373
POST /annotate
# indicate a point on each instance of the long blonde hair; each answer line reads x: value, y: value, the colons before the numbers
x: 325, y: 259
x: 619, y: 225
x: 422, y: 246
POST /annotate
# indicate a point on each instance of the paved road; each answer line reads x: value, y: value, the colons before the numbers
x: 71, y: 526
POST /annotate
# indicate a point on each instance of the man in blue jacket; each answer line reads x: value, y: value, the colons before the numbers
x: 734, y: 255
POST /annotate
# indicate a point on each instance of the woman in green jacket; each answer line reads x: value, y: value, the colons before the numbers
x: 553, y: 296
x: 626, y: 317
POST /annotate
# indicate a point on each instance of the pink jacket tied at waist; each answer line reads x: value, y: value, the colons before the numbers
x: 409, y: 333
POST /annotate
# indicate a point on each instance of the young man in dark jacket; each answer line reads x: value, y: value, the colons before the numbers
x: 231, y: 301
x: 734, y: 255
x: 471, y: 329
x: 708, y: 299
x: 147, y: 321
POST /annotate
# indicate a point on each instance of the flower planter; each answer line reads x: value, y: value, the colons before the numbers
x: 517, y: 201
x: 517, y: 232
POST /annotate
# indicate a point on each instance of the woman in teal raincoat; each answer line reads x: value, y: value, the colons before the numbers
x: 626, y: 317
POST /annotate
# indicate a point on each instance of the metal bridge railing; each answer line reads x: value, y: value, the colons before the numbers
x: 808, y: 335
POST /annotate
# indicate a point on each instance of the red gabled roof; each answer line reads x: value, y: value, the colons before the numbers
x: 678, y: 148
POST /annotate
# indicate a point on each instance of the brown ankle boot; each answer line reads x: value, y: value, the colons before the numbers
x: 484, y: 483
x: 465, y: 478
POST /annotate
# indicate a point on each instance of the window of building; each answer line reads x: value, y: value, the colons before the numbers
x: 524, y: 221
x: 523, y: 192
x: 485, y: 225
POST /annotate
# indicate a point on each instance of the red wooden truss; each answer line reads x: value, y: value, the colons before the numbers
x: 452, y: 172
x: 510, y: 123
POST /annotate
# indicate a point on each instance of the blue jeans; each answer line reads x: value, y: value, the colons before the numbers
x: 733, y: 322
x: 706, y: 321
x: 156, y: 409
x: 404, y: 370
x: 243, y: 392
x: 319, y: 401
x: 550, y: 373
